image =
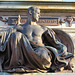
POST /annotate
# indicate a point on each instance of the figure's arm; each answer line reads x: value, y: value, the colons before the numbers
x: 19, y: 28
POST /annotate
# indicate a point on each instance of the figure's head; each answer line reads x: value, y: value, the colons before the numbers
x: 34, y: 13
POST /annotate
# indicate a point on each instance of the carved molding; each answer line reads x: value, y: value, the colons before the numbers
x: 42, y: 21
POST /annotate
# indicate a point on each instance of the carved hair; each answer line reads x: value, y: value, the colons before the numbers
x: 31, y: 9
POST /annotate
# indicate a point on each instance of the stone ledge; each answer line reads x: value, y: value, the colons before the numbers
x: 41, y: 5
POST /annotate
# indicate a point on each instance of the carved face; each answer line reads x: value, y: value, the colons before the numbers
x: 35, y: 15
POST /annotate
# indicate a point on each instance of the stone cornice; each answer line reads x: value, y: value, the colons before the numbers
x: 47, y: 6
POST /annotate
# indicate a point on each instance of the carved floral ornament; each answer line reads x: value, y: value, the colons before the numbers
x: 43, y: 21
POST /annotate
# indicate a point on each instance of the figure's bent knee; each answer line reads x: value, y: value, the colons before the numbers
x: 43, y: 54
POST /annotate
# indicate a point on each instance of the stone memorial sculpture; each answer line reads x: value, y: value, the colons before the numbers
x: 32, y: 48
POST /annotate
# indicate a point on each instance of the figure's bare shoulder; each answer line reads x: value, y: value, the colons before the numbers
x: 44, y: 28
x: 19, y: 27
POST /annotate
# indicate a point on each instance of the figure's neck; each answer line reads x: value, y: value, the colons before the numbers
x: 30, y: 22
x: 33, y: 23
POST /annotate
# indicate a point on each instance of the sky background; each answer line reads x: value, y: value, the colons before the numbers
x: 68, y: 0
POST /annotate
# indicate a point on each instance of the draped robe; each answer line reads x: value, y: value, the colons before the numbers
x: 18, y: 55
